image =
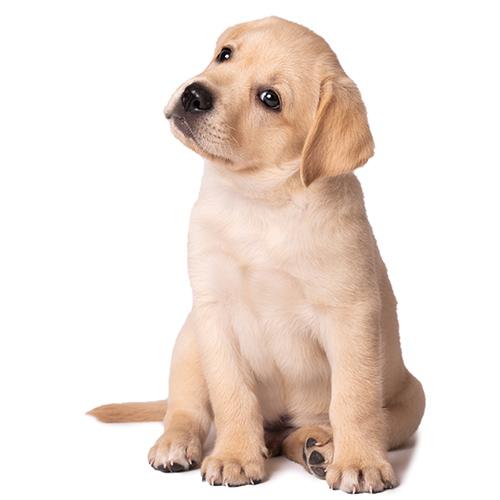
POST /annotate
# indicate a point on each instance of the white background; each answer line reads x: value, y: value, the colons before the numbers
x: 95, y: 196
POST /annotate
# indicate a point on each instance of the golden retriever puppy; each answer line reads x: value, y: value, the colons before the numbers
x: 292, y: 344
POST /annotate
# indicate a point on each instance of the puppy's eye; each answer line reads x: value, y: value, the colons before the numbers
x: 224, y: 54
x: 270, y: 99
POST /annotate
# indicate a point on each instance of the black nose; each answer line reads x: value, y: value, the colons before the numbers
x: 196, y: 98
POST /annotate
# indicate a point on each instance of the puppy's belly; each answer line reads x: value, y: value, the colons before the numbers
x: 302, y: 401
x: 276, y: 333
x: 266, y: 313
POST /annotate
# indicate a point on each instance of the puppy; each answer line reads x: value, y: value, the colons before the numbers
x: 292, y: 344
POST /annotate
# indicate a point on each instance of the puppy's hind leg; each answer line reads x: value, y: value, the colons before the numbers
x: 188, y: 418
x: 312, y: 446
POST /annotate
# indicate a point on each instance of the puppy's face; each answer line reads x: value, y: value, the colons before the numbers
x: 256, y: 103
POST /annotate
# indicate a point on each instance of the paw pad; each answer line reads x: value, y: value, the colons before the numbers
x: 316, y: 457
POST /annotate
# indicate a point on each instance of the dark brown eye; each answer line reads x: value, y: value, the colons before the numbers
x: 270, y: 99
x: 224, y: 54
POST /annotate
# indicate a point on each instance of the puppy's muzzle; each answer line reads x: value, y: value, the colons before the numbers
x: 195, y: 102
x: 196, y: 98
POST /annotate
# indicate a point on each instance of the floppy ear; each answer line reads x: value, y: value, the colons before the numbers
x: 340, y: 139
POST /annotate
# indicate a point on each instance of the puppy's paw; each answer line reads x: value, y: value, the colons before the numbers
x: 318, y: 455
x: 233, y: 470
x: 367, y: 478
x: 312, y: 447
x: 175, y: 451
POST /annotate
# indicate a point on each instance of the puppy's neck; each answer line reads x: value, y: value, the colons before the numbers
x: 272, y: 183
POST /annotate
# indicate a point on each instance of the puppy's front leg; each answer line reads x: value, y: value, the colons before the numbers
x: 238, y: 456
x: 357, y: 416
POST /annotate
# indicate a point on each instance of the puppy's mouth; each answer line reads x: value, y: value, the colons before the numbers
x: 182, y: 126
x: 186, y: 134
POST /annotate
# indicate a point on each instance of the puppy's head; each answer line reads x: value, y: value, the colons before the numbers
x: 274, y: 94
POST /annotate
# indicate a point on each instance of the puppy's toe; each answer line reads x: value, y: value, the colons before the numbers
x: 353, y: 478
x: 170, y: 467
x: 233, y: 470
x: 175, y: 452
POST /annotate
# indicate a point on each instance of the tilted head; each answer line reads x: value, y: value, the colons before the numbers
x: 273, y: 94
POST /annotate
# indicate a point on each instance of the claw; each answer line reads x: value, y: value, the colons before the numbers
x: 371, y: 489
x: 353, y: 489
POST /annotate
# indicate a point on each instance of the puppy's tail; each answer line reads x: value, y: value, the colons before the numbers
x: 153, y: 411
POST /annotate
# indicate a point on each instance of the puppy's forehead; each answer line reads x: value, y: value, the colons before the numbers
x: 275, y: 39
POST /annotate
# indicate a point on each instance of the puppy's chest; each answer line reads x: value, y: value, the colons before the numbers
x: 250, y: 243
x: 259, y: 260
x: 254, y: 263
